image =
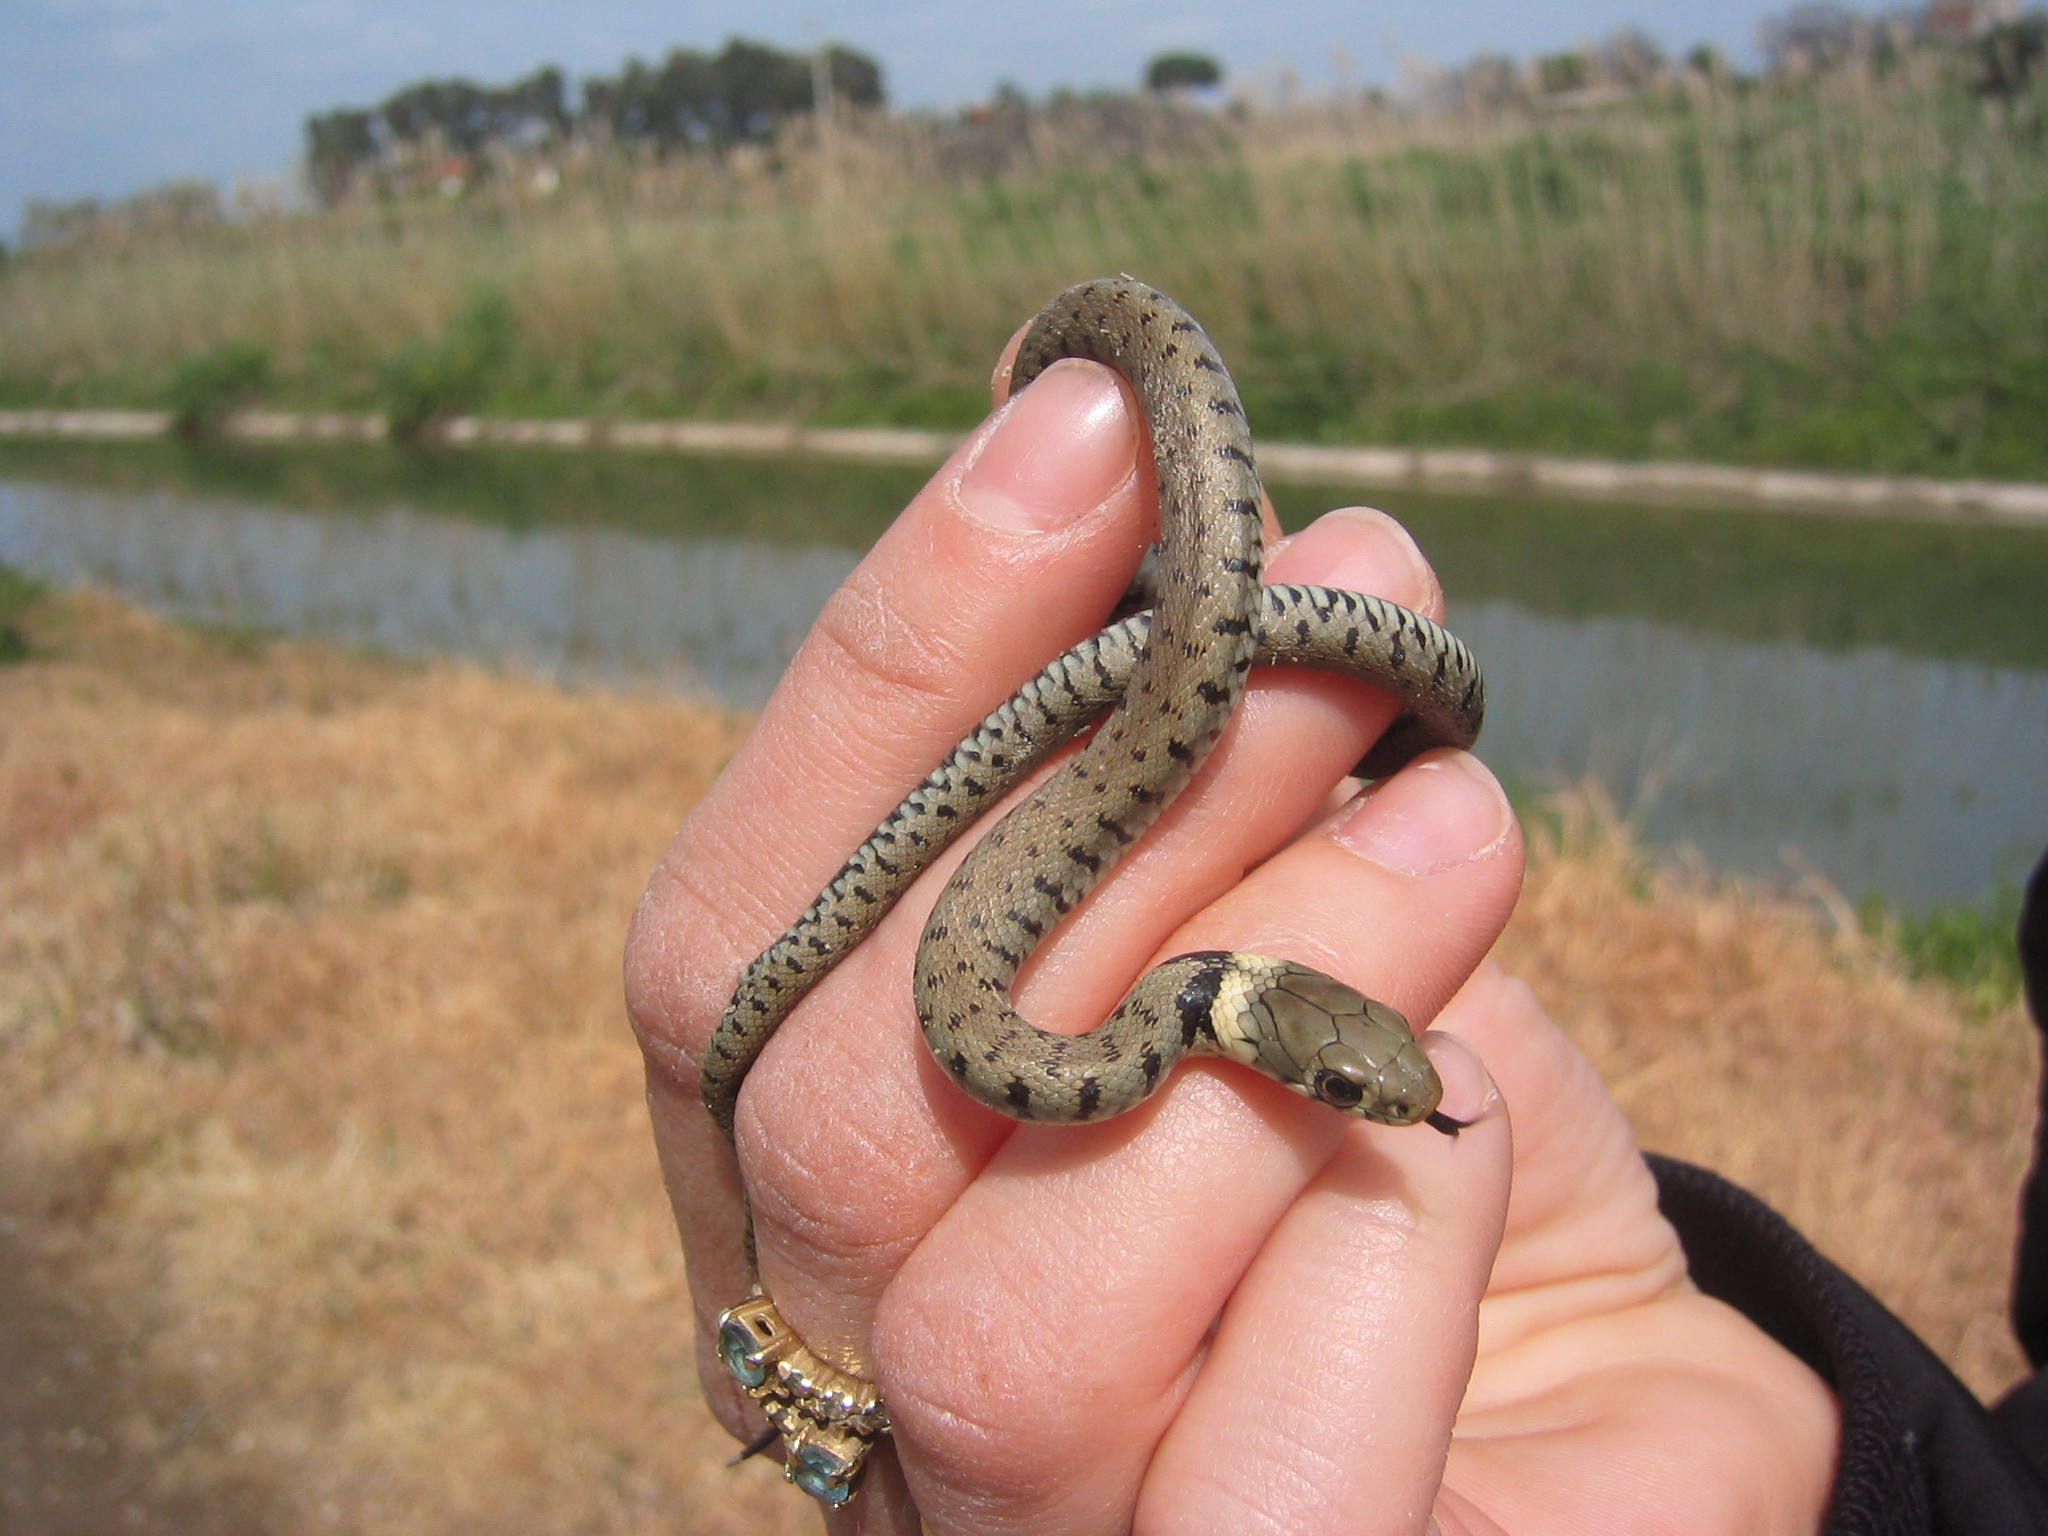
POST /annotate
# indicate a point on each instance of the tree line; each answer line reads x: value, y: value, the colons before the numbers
x: 433, y: 130
x: 2001, y: 54
x: 689, y: 100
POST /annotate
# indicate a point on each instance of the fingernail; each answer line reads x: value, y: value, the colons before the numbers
x: 1364, y: 550
x: 1469, y: 1091
x: 1056, y: 451
x: 1438, y: 812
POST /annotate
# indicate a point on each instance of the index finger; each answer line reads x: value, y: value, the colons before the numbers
x: 1028, y: 534
x: 1015, y: 549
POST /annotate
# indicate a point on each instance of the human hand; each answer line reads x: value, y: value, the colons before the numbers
x: 1228, y: 1309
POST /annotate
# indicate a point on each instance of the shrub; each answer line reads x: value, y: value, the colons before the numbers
x: 206, y: 389
x: 430, y: 380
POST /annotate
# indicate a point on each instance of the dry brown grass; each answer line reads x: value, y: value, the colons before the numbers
x: 1887, y: 1118
x: 325, y: 1197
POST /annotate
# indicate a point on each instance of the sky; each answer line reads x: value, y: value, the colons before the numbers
x: 101, y: 97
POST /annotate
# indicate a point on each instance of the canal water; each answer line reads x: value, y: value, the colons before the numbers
x: 1865, y: 700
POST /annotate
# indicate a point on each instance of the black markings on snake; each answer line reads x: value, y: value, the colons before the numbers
x: 1218, y: 623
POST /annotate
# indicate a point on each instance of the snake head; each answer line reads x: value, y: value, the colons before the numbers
x: 1397, y: 1088
x: 1333, y: 1044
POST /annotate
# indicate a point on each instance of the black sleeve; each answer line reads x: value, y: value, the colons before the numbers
x: 2030, y: 1278
x: 1920, y: 1455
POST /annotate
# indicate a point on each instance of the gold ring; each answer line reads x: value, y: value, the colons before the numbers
x: 829, y: 1420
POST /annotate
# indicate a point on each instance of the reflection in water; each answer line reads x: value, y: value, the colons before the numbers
x: 1916, y: 777
x: 713, y: 617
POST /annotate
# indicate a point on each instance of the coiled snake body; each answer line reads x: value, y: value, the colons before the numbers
x: 1173, y: 677
x: 1169, y: 679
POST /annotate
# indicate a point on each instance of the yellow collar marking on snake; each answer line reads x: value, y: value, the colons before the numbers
x: 1170, y: 680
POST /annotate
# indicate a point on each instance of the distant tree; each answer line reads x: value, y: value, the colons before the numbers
x: 191, y: 202
x: 2010, y: 56
x: 625, y: 104
x: 678, y: 104
x: 1632, y: 58
x: 1823, y: 35
x: 458, y: 111
x: 46, y: 223
x: 1709, y: 62
x: 691, y: 98
x: 1558, y: 74
x: 471, y: 117
x: 1487, y: 80
x: 338, y: 143
x: 1170, y: 72
x: 1010, y: 98
x: 1816, y: 35
x: 540, y: 102
x: 753, y: 87
x: 856, y: 78
x: 735, y: 96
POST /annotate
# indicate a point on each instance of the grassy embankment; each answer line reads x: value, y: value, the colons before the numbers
x: 327, y: 1198
x: 1840, y: 273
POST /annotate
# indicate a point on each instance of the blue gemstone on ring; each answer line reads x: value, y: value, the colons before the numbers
x: 736, y: 1349
x: 821, y: 1474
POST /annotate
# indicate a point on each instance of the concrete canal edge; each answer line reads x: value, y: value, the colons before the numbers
x: 1427, y: 469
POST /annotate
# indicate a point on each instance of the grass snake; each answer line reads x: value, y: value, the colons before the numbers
x: 1169, y: 680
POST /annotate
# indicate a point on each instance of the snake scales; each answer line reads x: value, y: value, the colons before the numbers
x: 1173, y: 677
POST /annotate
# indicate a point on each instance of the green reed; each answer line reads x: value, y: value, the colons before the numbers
x: 1842, y: 273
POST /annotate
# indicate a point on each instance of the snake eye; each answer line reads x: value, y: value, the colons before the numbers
x: 1337, y: 1090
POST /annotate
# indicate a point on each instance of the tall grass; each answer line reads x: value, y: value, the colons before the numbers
x: 1841, y: 273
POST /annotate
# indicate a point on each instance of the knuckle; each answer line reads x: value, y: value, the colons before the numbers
x: 682, y: 957
x: 868, y: 641
x: 962, y: 1392
x: 966, y: 1427
x: 720, y: 895
x: 817, y: 1182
